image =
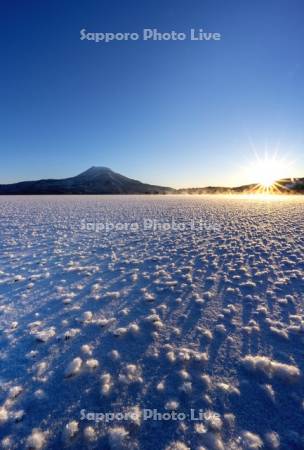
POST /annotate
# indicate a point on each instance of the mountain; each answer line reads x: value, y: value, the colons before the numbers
x: 96, y: 180
x: 102, y: 180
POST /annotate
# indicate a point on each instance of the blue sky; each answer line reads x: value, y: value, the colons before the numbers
x: 173, y: 113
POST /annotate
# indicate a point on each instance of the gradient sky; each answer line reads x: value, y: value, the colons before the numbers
x: 172, y: 113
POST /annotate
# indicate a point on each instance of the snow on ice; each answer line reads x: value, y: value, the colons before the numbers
x: 119, y: 321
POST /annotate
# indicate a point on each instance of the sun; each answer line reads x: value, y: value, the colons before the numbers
x: 267, y: 171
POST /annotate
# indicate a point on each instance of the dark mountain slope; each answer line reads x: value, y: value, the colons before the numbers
x: 96, y: 180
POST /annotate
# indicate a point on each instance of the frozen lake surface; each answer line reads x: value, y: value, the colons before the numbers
x: 128, y: 304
